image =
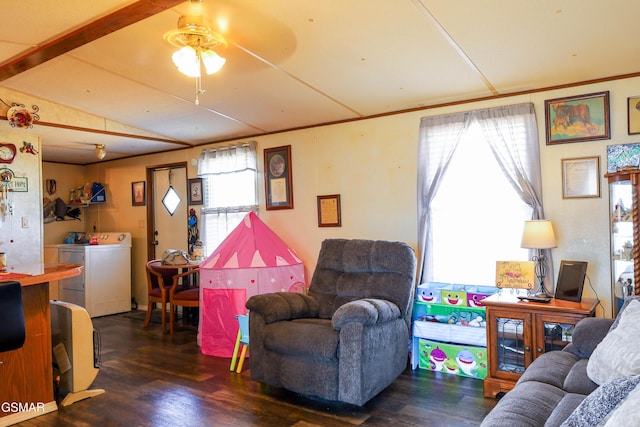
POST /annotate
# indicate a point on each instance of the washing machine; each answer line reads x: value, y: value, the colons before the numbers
x: 104, y: 287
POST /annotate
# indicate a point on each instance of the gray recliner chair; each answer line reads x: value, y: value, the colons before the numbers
x: 346, y: 340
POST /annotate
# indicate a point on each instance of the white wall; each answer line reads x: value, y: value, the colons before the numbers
x: 372, y: 165
x: 23, y: 245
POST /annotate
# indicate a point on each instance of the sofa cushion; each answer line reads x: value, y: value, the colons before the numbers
x: 530, y: 403
x: 587, y: 334
x: 618, y: 355
x: 564, y: 409
x: 626, y: 303
x: 308, y: 338
x: 596, y: 406
x: 556, y: 368
x: 577, y: 380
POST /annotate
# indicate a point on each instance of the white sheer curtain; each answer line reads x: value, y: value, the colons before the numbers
x: 230, y: 189
x: 439, y: 137
x: 510, y: 132
x: 505, y: 129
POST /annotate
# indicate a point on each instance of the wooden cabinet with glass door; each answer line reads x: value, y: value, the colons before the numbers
x: 518, y: 332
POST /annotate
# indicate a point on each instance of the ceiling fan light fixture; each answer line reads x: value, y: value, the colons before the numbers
x: 196, y: 41
x: 212, y: 61
x: 187, y: 61
x: 101, y: 151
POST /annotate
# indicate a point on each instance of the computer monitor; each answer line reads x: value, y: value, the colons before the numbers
x: 571, y: 280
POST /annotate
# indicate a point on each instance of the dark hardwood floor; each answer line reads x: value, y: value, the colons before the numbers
x: 160, y: 380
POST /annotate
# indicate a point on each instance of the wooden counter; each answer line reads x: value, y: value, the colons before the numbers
x: 27, y: 373
x: 51, y: 272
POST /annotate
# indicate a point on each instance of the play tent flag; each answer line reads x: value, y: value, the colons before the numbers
x: 252, y: 260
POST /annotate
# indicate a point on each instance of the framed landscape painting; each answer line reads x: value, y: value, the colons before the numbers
x: 577, y: 118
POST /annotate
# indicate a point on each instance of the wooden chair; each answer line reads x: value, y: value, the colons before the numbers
x: 159, y: 282
x: 185, y: 294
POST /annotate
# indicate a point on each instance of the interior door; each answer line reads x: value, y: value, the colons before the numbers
x: 170, y: 230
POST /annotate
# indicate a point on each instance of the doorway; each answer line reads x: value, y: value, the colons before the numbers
x: 167, y: 226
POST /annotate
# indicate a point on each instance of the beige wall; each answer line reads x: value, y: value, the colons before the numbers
x: 372, y: 165
x: 67, y: 177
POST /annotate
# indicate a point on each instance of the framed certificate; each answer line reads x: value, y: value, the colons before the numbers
x: 329, y: 214
x: 277, y: 178
x: 581, y: 177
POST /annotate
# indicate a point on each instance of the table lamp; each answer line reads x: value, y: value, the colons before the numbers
x: 538, y: 234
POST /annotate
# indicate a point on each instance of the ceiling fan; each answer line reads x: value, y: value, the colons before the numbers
x: 197, y: 41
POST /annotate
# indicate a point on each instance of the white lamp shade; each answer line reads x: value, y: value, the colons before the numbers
x: 538, y: 234
x: 187, y: 61
x: 212, y: 61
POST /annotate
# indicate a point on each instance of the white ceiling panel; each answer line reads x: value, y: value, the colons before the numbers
x: 522, y: 44
x: 289, y: 64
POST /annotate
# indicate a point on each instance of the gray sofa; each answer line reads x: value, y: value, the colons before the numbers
x: 348, y: 338
x: 557, y: 388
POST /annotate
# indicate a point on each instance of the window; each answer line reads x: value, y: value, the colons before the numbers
x: 479, y: 180
x: 230, y: 190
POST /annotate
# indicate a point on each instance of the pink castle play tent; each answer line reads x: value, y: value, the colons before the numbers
x: 252, y: 260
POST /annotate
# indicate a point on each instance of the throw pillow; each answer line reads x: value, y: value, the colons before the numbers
x: 596, y: 406
x: 618, y: 355
x: 627, y: 301
x: 628, y: 413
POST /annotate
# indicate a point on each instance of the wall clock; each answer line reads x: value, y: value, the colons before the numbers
x: 7, y: 153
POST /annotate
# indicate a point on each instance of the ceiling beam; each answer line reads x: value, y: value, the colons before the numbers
x: 114, y: 21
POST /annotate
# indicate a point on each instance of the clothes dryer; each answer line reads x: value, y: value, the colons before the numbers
x: 104, y: 287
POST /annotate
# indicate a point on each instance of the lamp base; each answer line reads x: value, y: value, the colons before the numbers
x: 541, y: 291
x: 540, y: 271
x: 543, y: 294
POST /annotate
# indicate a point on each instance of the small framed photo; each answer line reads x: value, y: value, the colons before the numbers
x: 623, y: 157
x: 633, y: 115
x: 581, y: 177
x: 138, y: 193
x: 277, y: 178
x: 329, y: 214
x: 195, y: 191
x: 577, y: 118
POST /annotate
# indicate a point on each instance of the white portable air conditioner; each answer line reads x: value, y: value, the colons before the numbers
x: 76, y: 351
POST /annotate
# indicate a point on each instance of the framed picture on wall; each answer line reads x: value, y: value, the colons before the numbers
x: 329, y: 214
x: 581, y: 177
x: 138, y: 193
x: 633, y: 115
x: 577, y: 118
x: 623, y: 157
x: 277, y: 178
x: 195, y: 191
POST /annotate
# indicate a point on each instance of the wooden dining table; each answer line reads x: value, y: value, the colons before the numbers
x: 180, y: 268
x: 190, y: 314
